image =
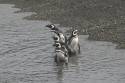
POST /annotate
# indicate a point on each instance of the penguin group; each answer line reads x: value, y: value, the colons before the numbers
x: 64, y: 47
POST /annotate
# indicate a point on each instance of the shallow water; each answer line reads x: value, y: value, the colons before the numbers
x: 26, y: 55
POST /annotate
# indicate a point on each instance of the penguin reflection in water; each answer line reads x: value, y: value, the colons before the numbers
x: 61, y: 54
x: 73, y: 43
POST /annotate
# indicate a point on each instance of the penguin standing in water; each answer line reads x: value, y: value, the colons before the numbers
x: 58, y: 34
x: 61, y: 53
x: 63, y: 47
x: 73, y: 43
x: 62, y: 38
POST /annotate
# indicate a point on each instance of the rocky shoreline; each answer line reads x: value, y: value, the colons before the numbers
x: 102, y: 20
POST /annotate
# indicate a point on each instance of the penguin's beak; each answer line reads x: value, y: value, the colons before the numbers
x: 47, y: 26
x: 54, y: 44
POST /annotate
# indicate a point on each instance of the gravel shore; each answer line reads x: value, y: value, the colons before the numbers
x: 102, y: 19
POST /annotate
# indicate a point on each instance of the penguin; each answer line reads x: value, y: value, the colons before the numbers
x: 62, y: 37
x: 58, y: 33
x: 53, y: 27
x: 73, y: 43
x: 61, y: 54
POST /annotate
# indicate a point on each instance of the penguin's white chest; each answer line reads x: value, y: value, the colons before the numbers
x: 74, y: 46
x: 75, y: 40
x: 74, y: 43
x: 62, y: 38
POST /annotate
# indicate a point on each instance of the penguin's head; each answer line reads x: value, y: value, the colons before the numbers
x: 51, y: 26
x: 58, y: 45
x: 56, y: 38
x: 75, y: 32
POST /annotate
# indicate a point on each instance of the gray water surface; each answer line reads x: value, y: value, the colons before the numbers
x: 26, y: 55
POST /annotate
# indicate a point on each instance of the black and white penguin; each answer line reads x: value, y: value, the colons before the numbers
x: 53, y: 27
x: 61, y: 54
x: 73, y: 43
x: 62, y: 37
x: 58, y: 33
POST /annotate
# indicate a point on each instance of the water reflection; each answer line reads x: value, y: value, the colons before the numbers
x: 62, y: 69
x: 60, y: 73
x: 74, y: 60
x: 59, y: 69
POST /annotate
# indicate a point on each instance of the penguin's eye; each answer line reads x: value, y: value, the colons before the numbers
x: 75, y: 32
x: 58, y: 45
x: 52, y: 26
